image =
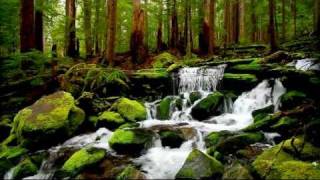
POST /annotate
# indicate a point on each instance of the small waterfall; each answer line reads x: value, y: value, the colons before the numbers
x: 200, y: 79
x: 306, y: 64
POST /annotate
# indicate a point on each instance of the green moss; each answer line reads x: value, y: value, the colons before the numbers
x: 199, y: 165
x: 110, y: 120
x: 9, y: 156
x: 285, y: 123
x: 49, y: 115
x: 194, y: 96
x: 254, y: 67
x: 151, y: 74
x: 263, y: 122
x: 295, y: 170
x: 164, y: 60
x: 173, y: 138
x: 82, y: 159
x: 24, y: 168
x: 292, y: 99
x: 163, y: 109
x: 306, y: 150
x: 270, y: 158
x: 237, y: 171
x: 130, y: 172
x: 249, y: 78
x: 174, y: 67
x: 131, y: 110
x: 263, y: 112
x: 208, y: 106
x: 128, y: 141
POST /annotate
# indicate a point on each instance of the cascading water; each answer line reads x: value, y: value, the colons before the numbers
x: 161, y: 162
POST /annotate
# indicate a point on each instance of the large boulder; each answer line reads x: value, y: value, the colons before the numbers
x: 164, y: 60
x: 130, y: 141
x: 80, y: 160
x: 207, y: 107
x: 237, y: 171
x: 243, y: 82
x: 50, y: 120
x: 301, y: 148
x: 130, y: 172
x: 199, y: 165
x: 24, y: 169
x: 131, y: 110
x: 172, y: 138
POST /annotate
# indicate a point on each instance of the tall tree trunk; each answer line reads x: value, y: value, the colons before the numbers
x: 204, y: 29
x: 160, y: 26
x: 111, y: 32
x: 317, y: 18
x: 236, y: 21
x: 254, y: 27
x: 212, y: 27
x: 70, y: 37
x: 174, y: 26
x: 272, y: 33
x: 96, y: 25
x: 27, y: 28
x: 39, y: 25
x: 227, y: 22
x: 283, y: 26
x: 146, y: 25
x: 242, y: 11
x: 137, y: 46
x: 187, y: 33
x: 87, y: 27
x: 294, y: 14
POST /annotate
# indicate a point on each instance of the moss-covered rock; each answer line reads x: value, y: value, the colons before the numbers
x: 52, y: 118
x: 10, y: 156
x: 243, y: 82
x: 313, y: 133
x: 263, y: 112
x: 301, y: 149
x: 81, y: 159
x: 263, y: 123
x: 194, y: 96
x: 174, y: 67
x: 130, y: 141
x: 24, y: 169
x: 130, y: 172
x: 239, y: 141
x: 131, y: 110
x: 284, y: 124
x: 208, y: 106
x: 199, y: 165
x: 292, y: 99
x: 151, y: 74
x: 237, y: 171
x: 164, y: 60
x: 214, y: 138
x: 173, y: 139
x: 163, y: 109
x: 178, y: 103
x: 111, y: 120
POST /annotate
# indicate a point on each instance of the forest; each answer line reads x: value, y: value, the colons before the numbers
x: 159, y: 89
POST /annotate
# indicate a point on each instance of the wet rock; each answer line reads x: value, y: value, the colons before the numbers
x: 243, y: 82
x: 163, y: 109
x: 199, y: 165
x: 277, y: 57
x: 285, y: 124
x: 301, y: 149
x: 313, y: 133
x: 207, y: 107
x: 110, y: 120
x: 50, y: 120
x: 130, y: 172
x: 130, y: 141
x: 178, y: 103
x: 10, y: 156
x: 237, y: 171
x: 215, y: 138
x: 263, y: 123
x: 236, y: 142
x: 174, y: 67
x: 194, y: 96
x: 24, y: 169
x: 173, y: 139
x: 263, y: 112
x: 80, y: 160
x: 292, y: 99
x: 129, y: 109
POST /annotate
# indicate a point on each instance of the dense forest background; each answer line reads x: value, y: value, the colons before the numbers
x: 83, y: 27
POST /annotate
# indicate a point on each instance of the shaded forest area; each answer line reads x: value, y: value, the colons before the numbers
x: 160, y: 89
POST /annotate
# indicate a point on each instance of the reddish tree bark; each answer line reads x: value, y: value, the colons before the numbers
x: 272, y: 33
x: 87, y: 27
x: 39, y: 25
x: 137, y: 46
x: 159, y: 29
x: 112, y: 29
x: 205, y: 29
x: 27, y: 26
x: 254, y: 28
x: 174, y: 27
x: 70, y: 39
x: 211, y: 27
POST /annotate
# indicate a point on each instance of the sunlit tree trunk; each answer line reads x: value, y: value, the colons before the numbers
x: 87, y: 27
x: 137, y: 46
x: 39, y: 25
x: 272, y: 33
x: 242, y: 11
x: 187, y: 33
x: 27, y: 28
x: 283, y: 26
x: 254, y: 27
x: 146, y: 25
x: 294, y: 16
x: 70, y: 36
x: 111, y: 32
x: 96, y: 25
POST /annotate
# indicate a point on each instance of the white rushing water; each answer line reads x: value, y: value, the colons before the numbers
x: 306, y: 64
x: 162, y: 162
